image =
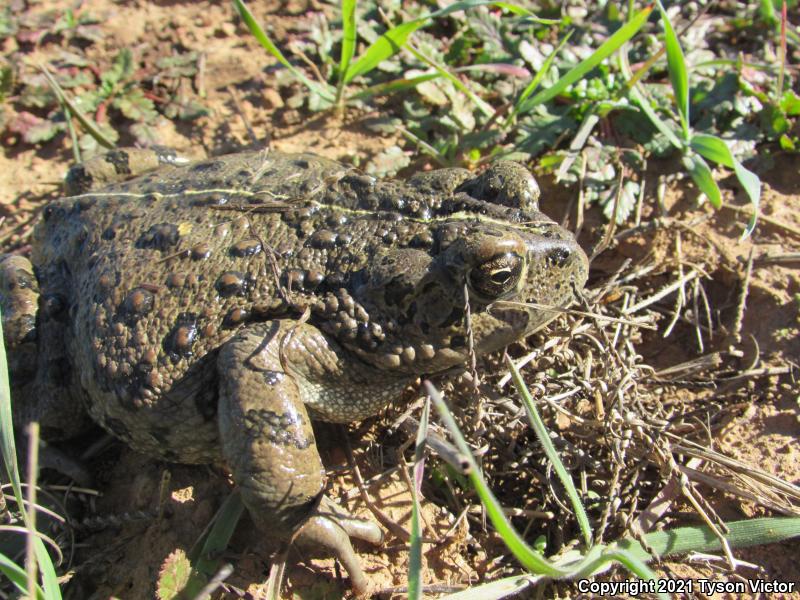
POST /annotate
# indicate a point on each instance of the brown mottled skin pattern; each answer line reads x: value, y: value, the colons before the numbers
x: 208, y: 311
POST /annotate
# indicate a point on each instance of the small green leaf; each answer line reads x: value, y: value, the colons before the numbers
x: 627, y: 201
x: 714, y: 148
x: 36, y: 95
x: 432, y: 92
x: 121, y: 70
x: 136, y: 106
x: 701, y: 174
x: 79, y: 79
x: 89, y: 145
x: 774, y: 121
x: 790, y: 103
x: 485, y: 108
x: 178, y: 65
x: 388, y: 162
x: 33, y: 129
x: 174, y: 575
x: 6, y: 81
x: 185, y: 109
x: 678, y: 75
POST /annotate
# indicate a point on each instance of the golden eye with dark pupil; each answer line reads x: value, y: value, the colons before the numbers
x: 497, y: 276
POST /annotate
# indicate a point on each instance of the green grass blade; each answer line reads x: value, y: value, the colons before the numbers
x: 206, y: 560
x: 348, y: 45
x: 640, y: 97
x: 700, y: 538
x: 393, y: 86
x: 423, y: 146
x: 622, y: 35
x: 527, y: 556
x: 258, y: 32
x: 48, y: 571
x: 521, y: 11
x: 384, y: 47
x: 348, y: 36
x: 49, y: 578
x: 17, y: 576
x: 714, y: 148
x: 415, y: 551
x: 537, y: 79
x: 635, y: 566
x: 393, y: 40
x: 88, y: 124
x: 702, y: 177
x: 766, y: 11
x: 496, y: 589
x: 678, y: 74
x: 9, y: 448
x: 550, y: 450
x: 467, y: 4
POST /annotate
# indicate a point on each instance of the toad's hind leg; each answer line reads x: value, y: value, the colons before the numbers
x: 43, y: 384
x: 118, y: 165
x: 268, y: 442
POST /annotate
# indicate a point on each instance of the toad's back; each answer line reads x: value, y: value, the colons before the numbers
x: 159, y: 271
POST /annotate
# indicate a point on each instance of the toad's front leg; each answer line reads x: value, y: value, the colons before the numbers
x: 268, y: 373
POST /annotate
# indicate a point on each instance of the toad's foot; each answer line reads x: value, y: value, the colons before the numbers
x: 329, y: 527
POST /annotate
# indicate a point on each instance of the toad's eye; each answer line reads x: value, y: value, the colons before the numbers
x: 496, y: 277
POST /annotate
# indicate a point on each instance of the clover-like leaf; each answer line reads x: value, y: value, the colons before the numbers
x: 173, y: 576
x: 136, y: 106
x: 121, y: 70
x: 33, y: 129
x: 790, y: 103
x: 178, y: 65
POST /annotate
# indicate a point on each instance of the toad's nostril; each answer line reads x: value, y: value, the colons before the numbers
x: 559, y: 256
